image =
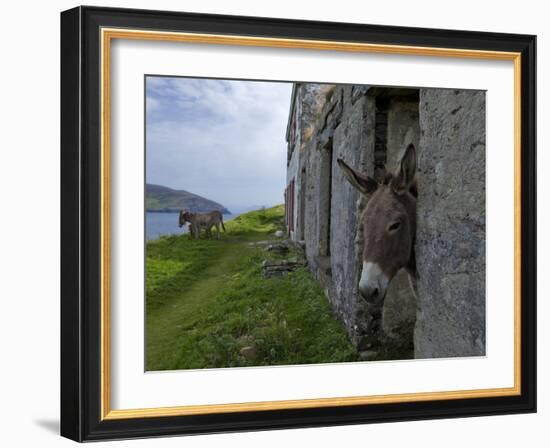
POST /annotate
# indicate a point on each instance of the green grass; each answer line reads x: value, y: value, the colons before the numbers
x: 207, y: 300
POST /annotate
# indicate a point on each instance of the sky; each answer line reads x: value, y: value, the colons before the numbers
x: 224, y: 140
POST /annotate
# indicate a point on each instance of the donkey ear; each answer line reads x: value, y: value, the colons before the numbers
x: 363, y: 183
x: 405, y: 178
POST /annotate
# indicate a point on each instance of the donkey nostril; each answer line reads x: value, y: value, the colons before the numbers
x: 369, y: 294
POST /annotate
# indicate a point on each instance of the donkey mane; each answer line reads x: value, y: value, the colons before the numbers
x: 413, y: 188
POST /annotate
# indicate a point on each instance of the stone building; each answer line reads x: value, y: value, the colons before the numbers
x: 370, y: 127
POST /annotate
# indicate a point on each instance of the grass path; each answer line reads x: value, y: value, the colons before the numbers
x: 209, y: 306
x: 185, y: 309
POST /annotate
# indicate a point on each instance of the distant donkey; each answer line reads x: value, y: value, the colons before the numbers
x: 389, y: 226
x: 200, y: 221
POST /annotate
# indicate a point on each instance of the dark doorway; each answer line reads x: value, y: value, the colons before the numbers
x: 325, y: 199
x: 302, y: 211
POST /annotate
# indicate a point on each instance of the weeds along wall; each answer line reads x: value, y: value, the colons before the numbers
x: 369, y: 127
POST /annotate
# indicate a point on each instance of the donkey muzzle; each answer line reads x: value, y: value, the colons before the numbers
x: 371, y: 295
x: 373, y: 283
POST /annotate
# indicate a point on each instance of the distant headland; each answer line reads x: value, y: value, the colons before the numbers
x: 160, y: 199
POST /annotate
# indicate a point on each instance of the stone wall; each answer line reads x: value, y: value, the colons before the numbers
x: 352, y: 140
x: 331, y: 212
x: 345, y: 128
x: 450, y: 248
x: 369, y: 127
x: 308, y: 100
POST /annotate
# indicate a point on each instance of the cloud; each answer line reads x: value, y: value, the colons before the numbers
x: 221, y: 139
x: 152, y: 104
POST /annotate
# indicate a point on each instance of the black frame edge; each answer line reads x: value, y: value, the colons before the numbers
x: 80, y: 166
x: 529, y: 222
x: 71, y: 384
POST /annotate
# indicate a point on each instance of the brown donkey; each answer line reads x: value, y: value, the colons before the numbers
x: 389, y: 226
x: 199, y: 221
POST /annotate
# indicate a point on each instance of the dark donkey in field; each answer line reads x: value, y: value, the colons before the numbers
x: 389, y: 226
x: 199, y: 221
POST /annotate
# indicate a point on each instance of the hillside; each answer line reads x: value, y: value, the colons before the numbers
x: 164, y: 199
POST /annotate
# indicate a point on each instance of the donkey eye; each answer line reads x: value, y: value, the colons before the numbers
x: 394, y: 226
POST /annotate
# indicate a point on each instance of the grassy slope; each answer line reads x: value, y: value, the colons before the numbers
x: 206, y: 300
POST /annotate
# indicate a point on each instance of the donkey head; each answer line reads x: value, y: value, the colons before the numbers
x: 389, y: 225
x: 185, y: 216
